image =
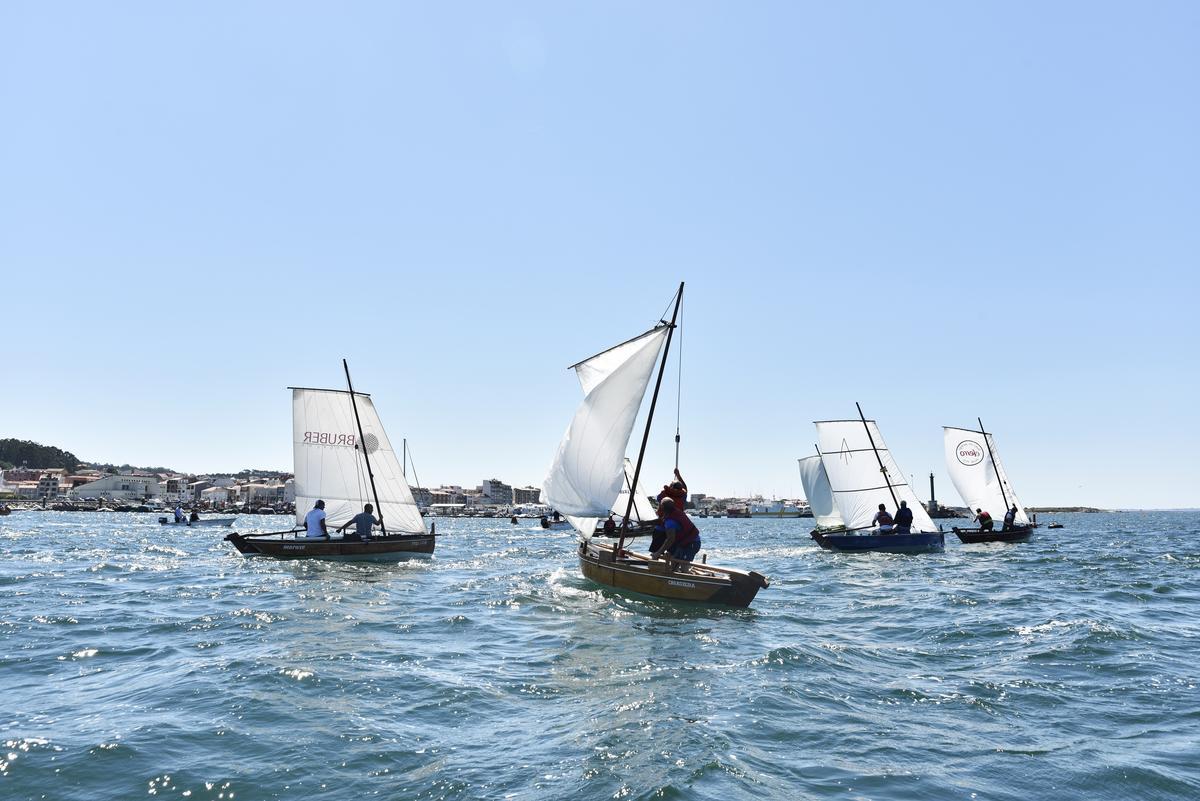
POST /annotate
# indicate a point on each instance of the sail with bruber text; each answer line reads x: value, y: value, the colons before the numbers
x: 588, y: 470
x: 330, y: 466
x: 978, y: 475
x: 856, y: 479
x: 818, y: 492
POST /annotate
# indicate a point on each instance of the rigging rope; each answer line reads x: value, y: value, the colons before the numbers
x: 679, y: 388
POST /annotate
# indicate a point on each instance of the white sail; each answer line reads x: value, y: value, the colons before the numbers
x: 331, y: 468
x: 858, y: 483
x: 642, y: 510
x: 980, y: 479
x: 818, y: 492
x: 588, y: 470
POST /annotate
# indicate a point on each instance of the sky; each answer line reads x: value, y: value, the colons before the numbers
x: 939, y: 210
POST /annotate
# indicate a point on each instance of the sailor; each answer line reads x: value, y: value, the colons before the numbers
x: 985, y: 520
x: 1010, y: 518
x: 194, y: 516
x: 884, y: 520
x: 362, y: 523
x: 904, y: 518
x: 180, y: 517
x: 682, y: 539
x: 314, y: 521
x: 610, y: 526
x: 676, y: 491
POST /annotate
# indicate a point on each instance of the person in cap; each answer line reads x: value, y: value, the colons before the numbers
x: 314, y: 521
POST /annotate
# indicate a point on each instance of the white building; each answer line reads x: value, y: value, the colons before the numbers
x: 527, y: 495
x: 215, y: 496
x: 126, y: 488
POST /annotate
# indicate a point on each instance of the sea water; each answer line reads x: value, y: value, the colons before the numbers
x: 143, y: 661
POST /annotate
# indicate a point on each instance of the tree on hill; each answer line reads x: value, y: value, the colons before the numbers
x: 18, y: 452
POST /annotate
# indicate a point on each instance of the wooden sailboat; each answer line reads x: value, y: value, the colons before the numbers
x: 861, y: 474
x: 981, y: 481
x: 588, y: 472
x: 341, y: 452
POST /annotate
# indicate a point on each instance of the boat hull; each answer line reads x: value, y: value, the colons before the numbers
x: 391, y: 548
x: 207, y: 522
x: 920, y: 542
x: 973, y: 535
x: 640, y: 574
x: 640, y: 530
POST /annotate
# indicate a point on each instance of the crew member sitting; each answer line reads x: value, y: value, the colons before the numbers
x: 610, y: 526
x: 985, y: 520
x: 314, y: 521
x: 903, y: 522
x: 883, y: 519
x: 194, y: 516
x: 180, y: 517
x: 362, y: 523
x: 1010, y: 518
x: 682, y: 538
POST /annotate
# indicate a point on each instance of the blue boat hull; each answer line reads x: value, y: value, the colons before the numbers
x: 882, y: 543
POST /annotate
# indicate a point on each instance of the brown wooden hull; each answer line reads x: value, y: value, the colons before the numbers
x: 973, y: 535
x: 391, y: 548
x: 639, y: 573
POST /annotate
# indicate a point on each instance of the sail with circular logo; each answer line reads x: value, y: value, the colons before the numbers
x: 330, y: 467
x: 975, y: 469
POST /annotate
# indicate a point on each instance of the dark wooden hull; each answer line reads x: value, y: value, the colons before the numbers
x: 391, y: 548
x: 920, y: 542
x: 638, y: 573
x: 973, y: 535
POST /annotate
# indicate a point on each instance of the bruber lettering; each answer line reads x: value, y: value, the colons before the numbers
x: 326, y: 438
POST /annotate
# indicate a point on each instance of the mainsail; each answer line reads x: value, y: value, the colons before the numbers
x: 818, y: 492
x: 330, y: 466
x: 855, y: 477
x: 588, y: 470
x: 975, y: 469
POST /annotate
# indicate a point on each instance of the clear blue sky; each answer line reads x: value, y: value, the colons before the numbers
x: 942, y: 210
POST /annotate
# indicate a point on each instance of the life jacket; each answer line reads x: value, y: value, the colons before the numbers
x: 984, y: 517
x: 884, y: 519
x: 687, y: 529
x: 904, y: 516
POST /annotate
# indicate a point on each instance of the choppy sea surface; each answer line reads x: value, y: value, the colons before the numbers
x: 142, y: 661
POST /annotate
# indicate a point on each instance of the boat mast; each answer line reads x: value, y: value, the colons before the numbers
x: 637, y: 470
x: 362, y: 442
x: 886, y: 478
x: 996, y: 470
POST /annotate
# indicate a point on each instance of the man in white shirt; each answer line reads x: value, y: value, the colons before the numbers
x: 314, y: 521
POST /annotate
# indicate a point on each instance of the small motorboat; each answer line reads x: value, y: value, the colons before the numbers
x: 1055, y: 525
x: 204, y: 522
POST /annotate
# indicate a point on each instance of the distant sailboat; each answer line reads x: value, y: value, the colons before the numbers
x: 862, y: 474
x: 980, y: 479
x: 588, y: 474
x: 343, y: 457
x: 642, y: 518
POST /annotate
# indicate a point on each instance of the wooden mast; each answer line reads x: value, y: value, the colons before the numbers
x: 362, y: 442
x: 637, y: 471
x: 1003, y: 494
x: 886, y: 478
